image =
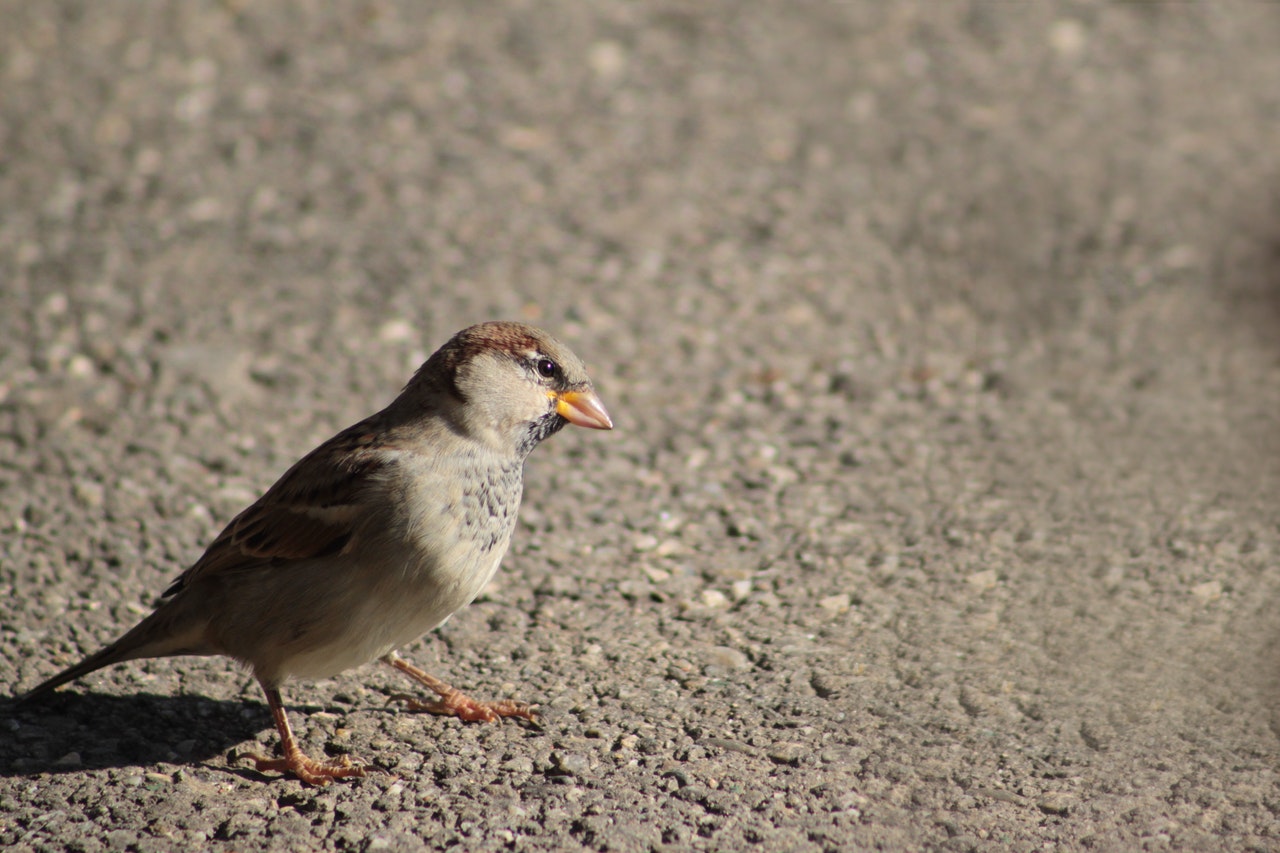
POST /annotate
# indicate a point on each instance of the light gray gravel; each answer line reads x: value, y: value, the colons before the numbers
x: 943, y: 342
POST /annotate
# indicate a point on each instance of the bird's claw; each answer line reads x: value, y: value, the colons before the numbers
x: 462, y: 706
x: 317, y: 773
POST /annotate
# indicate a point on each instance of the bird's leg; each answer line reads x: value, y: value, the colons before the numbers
x: 453, y: 702
x: 318, y: 773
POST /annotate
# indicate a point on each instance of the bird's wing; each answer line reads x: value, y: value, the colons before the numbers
x: 314, y: 510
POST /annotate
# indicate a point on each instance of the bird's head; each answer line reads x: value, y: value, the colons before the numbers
x: 512, y: 385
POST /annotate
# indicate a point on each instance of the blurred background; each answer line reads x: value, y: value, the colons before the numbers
x: 941, y: 341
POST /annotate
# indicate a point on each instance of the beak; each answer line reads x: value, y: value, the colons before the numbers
x: 582, y: 408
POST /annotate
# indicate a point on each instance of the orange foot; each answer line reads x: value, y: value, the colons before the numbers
x: 453, y: 702
x: 318, y: 773
x: 460, y: 705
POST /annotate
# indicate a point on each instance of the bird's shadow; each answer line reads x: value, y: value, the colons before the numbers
x: 71, y: 732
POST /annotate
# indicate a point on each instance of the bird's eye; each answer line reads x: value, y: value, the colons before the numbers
x: 547, y: 367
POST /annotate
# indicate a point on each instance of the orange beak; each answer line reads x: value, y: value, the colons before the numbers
x: 582, y: 408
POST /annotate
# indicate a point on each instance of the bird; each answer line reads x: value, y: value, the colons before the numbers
x: 375, y: 537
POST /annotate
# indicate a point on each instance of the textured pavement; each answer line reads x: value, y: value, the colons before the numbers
x: 943, y: 345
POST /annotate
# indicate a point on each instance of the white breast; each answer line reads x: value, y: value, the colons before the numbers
x: 448, y: 542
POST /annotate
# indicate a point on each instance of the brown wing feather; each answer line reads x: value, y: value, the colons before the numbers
x: 308, y: 513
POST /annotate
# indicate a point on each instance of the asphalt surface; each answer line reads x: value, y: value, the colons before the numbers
x: 943, y: 345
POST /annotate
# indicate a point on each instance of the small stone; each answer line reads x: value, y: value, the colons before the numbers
x: 988, y: 621
x: 787, y: 753
x: 984, y: 580
x: 207, y: 209
x: 714, y: 599
x: 635, y: 589
x: 1208, y: 591
x: 519, y: 764
x: 121, y: 839
x: 649, y: 746
x: 836, y: 603
x: 740, y: 590
x: 89, y: 494
x: 524, y: 138
x: 395, y: 331
x: 824, y: 685
x: 608, y: 60
x: 573, y: 763
x: 667, y: 547
x: 558, y: 585
x: 1113, y: 577
x: 80, y: 366
x: 1067, y: 37
x: 224, y: 369
x: 55, y: 305
x: 1054, y: 803
x: 71, y: 759
x: 729, y: 658
x: 645, y: 542
x: 1097, y: 735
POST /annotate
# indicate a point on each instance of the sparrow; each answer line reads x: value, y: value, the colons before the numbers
x: 375, y: 537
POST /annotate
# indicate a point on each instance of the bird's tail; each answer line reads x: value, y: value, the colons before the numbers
x: 158, y: 635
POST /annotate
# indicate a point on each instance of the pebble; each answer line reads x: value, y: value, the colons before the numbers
x: 71, y: 759
x: 608, y: 60
x: 80, y: 366
x: 787, y: 753
x: 224, y: 369
x: 1068, y: 38
x: 986, y: 579
x: 825, y: 685
x: 574, y: 763
x: 714, y: 598
x: 395, y: 331
x: 519, y: 764
x: 635, y: 589
x: 726, y: 657
x: 649, y: 746
x: 89, y: 494
x: 769, y: 600
x: 1208, y: 591
x: 1097, y: 735
x: 839, y: 603
x: 206, y: 209
x: 1056, y: 804
x: 668, y: 547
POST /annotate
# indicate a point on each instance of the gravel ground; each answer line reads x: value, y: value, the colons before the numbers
x: 942, y: 344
